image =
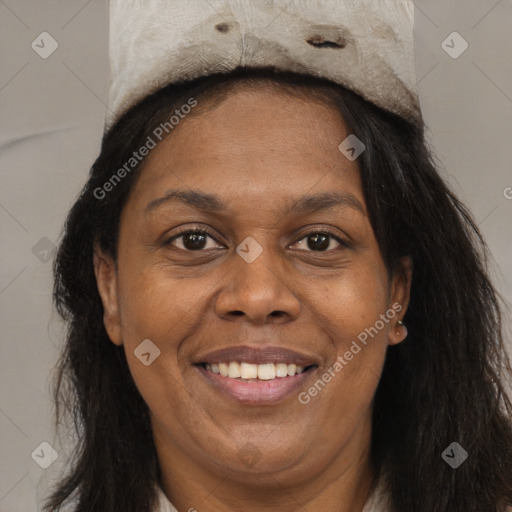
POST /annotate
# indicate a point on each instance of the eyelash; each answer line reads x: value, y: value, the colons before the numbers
x: 212, y: 235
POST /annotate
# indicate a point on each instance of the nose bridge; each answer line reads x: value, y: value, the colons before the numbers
x: 257, y: 270
x: 258, y: 285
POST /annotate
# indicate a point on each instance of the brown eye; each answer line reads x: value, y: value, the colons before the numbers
x: 320, y: 241
x: 192, y: 239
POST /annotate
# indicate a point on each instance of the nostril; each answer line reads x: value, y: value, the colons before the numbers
x: 319, y: 41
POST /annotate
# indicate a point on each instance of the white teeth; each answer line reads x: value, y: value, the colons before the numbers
x: 249, y: 371
x: 233, y: 370
x: 266, y: 371
x: 223, y: 368
x: 281, y: 370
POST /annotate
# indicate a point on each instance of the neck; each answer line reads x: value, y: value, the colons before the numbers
x: 343, y: 485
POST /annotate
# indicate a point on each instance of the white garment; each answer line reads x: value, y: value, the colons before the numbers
x: 378, y: 501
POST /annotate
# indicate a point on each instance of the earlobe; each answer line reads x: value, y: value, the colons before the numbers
x: 106, y: 280
x: 400, y: 296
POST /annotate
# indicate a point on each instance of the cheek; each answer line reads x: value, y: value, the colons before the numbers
x: 349, y: 309
x: 352, y: 301
x: 154, y: 306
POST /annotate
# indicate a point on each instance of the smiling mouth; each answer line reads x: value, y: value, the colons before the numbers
x: 252, y: 372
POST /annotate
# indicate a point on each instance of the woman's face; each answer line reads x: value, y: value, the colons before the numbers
x: 258, y: 175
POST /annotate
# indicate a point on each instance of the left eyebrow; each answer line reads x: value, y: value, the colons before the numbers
x: 304, y: 205
x: 319, y: 202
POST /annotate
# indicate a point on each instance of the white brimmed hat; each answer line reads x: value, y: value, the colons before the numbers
x: 364, y: 45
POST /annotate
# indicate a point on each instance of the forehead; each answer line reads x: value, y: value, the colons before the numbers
x: 258, y: 144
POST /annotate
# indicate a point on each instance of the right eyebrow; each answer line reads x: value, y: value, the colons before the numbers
x: 194, y: 198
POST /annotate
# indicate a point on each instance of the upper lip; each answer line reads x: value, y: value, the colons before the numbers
x: 258, y: 355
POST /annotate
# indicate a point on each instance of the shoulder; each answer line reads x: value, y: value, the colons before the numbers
x: 380, y: 497
x: 163, y: 503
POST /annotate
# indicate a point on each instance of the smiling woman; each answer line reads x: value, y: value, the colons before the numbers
x: 211, y: 417
x: 264, y: 318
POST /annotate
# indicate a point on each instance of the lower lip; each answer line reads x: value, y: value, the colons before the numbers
x: 262, y: 392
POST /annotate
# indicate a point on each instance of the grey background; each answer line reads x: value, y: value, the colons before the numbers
x: 50, y: 133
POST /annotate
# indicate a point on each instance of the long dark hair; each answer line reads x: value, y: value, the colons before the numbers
x: 444, y: 384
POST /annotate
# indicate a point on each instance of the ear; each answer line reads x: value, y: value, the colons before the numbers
x: 400, y: 293
x: 106, y: 280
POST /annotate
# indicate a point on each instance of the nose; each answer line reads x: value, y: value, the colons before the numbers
x: 259, y: 292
